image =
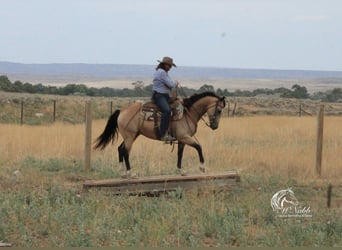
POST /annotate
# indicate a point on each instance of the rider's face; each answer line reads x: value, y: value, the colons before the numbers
x: 168, y: 66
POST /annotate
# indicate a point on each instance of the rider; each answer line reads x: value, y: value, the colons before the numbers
x: 162, y: 85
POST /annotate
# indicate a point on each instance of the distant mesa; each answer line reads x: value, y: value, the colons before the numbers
x: 110, y: 71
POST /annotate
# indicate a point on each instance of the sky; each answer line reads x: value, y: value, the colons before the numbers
x: 258, y: 34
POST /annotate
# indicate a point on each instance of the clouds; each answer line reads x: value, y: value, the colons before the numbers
x: 292, y: 34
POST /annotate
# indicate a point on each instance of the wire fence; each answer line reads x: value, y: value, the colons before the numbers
x: 38, y: 110
x: 42, y: 110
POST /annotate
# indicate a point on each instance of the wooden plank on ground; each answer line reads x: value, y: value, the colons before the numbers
x: 3, y: 244
x: 157, y: 184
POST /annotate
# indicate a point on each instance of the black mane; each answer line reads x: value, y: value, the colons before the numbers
x: 188, y: 102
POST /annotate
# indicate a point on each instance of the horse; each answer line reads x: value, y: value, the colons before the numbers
x: 282, y: 199
x: 130, y: 123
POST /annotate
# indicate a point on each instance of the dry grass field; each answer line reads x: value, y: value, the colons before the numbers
x: 42, y: 203
x: 262, y: 145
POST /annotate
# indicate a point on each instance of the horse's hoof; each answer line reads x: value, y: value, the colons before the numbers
x: 124, y: 176
x: 129, y: 175
x: 134, y: 176
x: 203, y: 169
x: 121, y: 166
x: 182, y: 172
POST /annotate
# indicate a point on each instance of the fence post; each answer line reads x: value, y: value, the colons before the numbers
x: 22, y: 113
x: 54, y: 110
x: 329, y: 195
x: 88, y: 125
x: 228, y: 106
x: 233, y: 112
x: 319, y: 149
x: 110, y: 108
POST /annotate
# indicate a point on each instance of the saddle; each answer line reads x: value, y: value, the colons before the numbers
x: 152, y: 112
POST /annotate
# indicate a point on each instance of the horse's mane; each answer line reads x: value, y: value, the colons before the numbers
x: 188, y: 102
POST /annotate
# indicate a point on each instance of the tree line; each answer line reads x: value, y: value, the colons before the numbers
x: 141, y: 90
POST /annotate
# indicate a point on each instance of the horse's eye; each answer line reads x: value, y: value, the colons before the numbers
x: 219, y: 111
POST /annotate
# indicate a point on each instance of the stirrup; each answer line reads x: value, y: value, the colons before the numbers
x: 168, y: 138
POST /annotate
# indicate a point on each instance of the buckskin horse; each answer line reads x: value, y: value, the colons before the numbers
x: 130, y: 123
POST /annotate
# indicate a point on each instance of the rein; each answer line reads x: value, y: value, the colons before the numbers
x: 214, y: 104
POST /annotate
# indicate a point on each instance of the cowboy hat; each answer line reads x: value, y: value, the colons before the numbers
x: 167, y: 60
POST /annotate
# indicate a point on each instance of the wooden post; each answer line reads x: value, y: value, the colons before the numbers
x: 88, y: 125
x: 110, y: 108
x: 54, y: 110
x: 233, y: 112
x: 320, y: 124
x: 22, y: 113
x: 329, y: 195
x: 300, y: 109
x: 228, y: 106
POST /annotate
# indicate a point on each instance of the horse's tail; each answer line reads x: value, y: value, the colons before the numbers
x: 110, y: 131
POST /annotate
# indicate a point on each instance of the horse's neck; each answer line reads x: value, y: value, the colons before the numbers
x: 198, y: 109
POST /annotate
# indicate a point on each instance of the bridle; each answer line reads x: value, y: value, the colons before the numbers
x: 216, y: 104
x: 216, y: 112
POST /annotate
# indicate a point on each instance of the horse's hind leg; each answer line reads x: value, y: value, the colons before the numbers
x: 121, y: 151
x: 124, y: 150
x: 129, y: 123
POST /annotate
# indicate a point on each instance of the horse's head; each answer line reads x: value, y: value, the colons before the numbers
x: 290, y: 197
x: 214, y: 111
x: 206, y: 102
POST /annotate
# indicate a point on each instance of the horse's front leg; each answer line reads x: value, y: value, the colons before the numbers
x: 179, y: 159
x: 191, y: 142
x: 200, y: 154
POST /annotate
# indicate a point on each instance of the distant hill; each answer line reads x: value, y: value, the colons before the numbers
x: 110, y: 71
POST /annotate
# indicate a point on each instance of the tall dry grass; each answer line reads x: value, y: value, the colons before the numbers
x: 267, y: 146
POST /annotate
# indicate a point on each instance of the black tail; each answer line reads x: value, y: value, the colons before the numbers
x: 109, y: 133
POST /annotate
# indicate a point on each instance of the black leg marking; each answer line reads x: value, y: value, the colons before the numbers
x: 120, y: 151
x: 199, y: 151
x: 126, y: 157
x: 180, y: 154
x: 123, y: 155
